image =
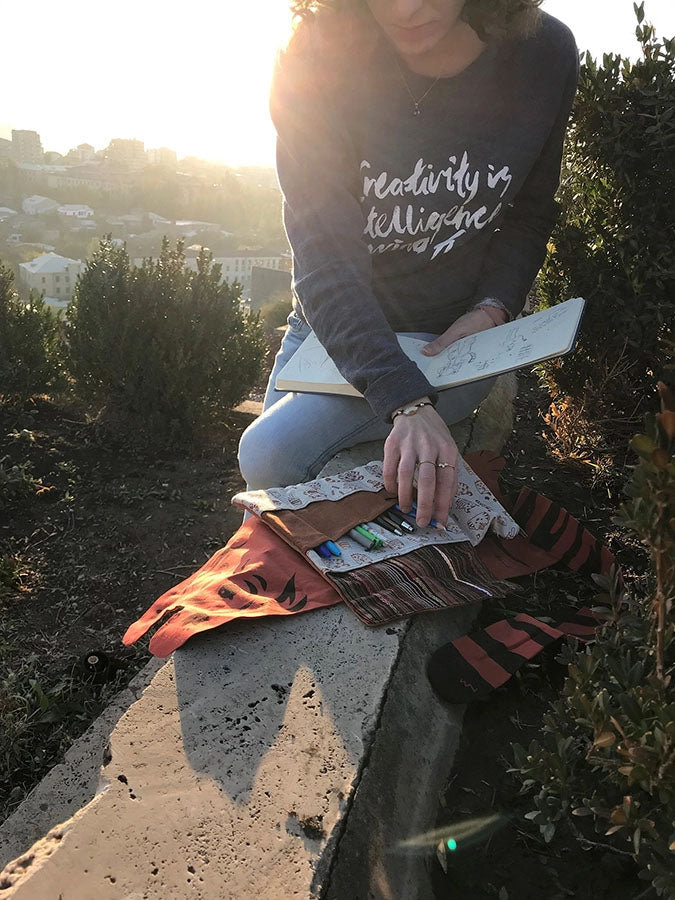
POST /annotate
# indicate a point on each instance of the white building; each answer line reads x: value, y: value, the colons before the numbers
x: 236, y: 268
x: 52, y: 275
x: 76, y: 211
x: 83, y: 152
x: 38, y: 205
x: 239, y: 268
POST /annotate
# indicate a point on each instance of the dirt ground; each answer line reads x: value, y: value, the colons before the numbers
x: 103, y: 532
x: 99, y: 536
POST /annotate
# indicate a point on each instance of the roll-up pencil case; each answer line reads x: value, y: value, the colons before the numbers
x: 326, y: 509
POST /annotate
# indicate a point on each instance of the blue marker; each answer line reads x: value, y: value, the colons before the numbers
x: 333, y: 547
x: 432, y: 522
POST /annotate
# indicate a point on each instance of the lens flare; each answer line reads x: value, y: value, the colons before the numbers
x: 467, y: 832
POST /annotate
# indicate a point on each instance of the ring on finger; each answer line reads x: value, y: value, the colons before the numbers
x: 443, y: 465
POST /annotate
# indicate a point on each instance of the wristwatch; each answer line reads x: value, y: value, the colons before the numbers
x: 410, y: 410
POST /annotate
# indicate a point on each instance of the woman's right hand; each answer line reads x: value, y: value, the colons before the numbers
x: 416, y: 444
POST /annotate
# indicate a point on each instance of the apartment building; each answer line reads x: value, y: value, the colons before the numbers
x: 51, y: 275
x: 26, y: 146
x: 239, y: 268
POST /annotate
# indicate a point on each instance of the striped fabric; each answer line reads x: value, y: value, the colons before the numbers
x: 553, y: 529
x: 471, y: 667
x: 430, y: 578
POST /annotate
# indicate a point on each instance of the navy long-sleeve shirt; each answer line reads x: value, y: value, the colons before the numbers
x: 400, y: 222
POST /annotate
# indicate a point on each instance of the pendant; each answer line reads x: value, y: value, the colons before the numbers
x: 416, y: 111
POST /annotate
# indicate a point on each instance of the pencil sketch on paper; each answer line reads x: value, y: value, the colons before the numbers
x: 316, y: 360
x: 456, y: 358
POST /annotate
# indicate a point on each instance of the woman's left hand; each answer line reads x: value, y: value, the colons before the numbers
x: 470, y: 323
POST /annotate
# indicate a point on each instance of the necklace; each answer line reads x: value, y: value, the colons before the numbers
x: 417, y: 101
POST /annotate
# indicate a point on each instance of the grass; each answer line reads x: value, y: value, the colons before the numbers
x: 41, y: 715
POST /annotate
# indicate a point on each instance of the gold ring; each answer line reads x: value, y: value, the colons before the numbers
x: 420, y: 462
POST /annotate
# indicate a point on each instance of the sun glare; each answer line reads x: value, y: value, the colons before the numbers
x: 193, y: 77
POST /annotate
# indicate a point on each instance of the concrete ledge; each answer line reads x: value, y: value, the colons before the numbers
x: 278, y: 758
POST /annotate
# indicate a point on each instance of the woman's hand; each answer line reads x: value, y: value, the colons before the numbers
x: 414, y: 446
x: 418, y: 443
x: 470, y: 323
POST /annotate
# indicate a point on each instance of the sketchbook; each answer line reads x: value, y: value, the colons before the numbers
x: 523, y: 342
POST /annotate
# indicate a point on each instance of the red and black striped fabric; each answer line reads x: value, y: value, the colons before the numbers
x: 471, y: 667
x: 551, y: 528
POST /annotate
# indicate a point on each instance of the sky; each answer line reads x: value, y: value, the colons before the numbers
x: 195, y: 76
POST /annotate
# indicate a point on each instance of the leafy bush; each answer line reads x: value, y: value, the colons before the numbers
x: 274, y: 314
x: 613, y: 244
x: 29, y: 343
x: 160, y: 346
x: 607, y: 760
x: 16, y: 482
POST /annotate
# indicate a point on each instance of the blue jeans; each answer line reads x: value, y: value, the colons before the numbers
x: 297, y: 433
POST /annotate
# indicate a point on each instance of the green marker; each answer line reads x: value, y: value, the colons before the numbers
x: 369, y: 535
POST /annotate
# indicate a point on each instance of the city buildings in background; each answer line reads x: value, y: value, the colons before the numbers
x: 54, y: 209
x: 162, y: 157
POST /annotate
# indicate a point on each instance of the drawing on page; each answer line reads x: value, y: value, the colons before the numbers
x: 315, y: 360
x: 460, y: 356
x: 525, y: 350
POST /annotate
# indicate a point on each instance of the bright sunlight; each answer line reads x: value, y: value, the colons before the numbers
x: 193, y: 77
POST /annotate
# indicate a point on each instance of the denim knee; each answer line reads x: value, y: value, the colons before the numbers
x: 264, y: 462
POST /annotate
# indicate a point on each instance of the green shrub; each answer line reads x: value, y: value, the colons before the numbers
x: 29, y: 343
x: 274, y: 314
x: 160, y: 346
x: 614, y: 242
x: 606, y: 764
x: 16, y: 482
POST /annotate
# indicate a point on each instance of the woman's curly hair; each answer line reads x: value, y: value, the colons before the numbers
x: 492, y: 20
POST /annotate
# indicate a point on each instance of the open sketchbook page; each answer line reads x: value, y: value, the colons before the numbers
x: 524, y: 342
x: 543, y: 335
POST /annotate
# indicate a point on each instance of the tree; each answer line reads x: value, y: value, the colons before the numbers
x: 159, y: 346
x: 29, y: 343
x: 614, y: 244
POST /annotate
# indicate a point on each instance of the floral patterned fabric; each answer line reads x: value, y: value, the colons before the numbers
x: 474, y: 512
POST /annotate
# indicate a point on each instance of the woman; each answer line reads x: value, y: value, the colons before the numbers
x: 419, y: 147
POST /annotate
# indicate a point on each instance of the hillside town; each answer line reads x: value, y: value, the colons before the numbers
x: 54, y: 209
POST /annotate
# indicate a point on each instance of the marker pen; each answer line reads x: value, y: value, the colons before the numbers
x: 333, y: 547
x: 368, y: 543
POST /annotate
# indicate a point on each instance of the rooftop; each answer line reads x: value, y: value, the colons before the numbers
x: 49, y: 262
